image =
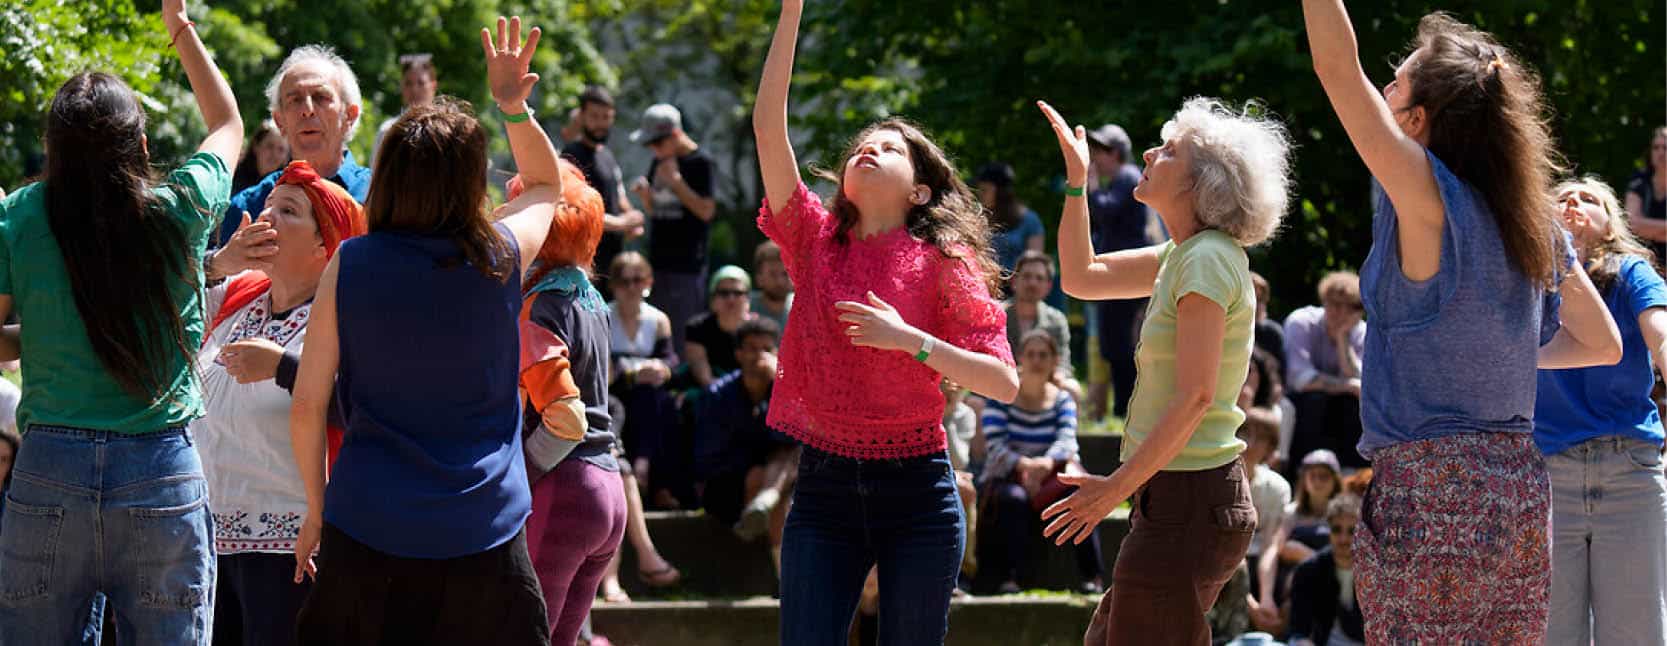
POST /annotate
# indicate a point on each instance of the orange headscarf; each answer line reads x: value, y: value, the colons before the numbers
x: 339, y: 217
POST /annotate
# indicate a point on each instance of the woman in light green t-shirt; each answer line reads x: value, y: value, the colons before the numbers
x: 103, y: 260
x: 1220, y: 182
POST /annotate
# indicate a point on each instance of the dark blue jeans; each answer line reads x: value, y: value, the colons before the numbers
x: 92, y: 512
x: 848, y: 515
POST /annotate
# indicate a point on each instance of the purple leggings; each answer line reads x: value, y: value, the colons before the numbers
x: 576, y: 525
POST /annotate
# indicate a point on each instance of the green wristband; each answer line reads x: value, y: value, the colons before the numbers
x: 522, y: 117
x: 925, y: 350
x: 1074, y: 191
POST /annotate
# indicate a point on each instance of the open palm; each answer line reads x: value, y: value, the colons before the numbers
x: 507, y: 61
x: 1073, y: 144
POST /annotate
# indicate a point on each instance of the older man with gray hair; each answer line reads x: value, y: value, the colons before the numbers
x: 314, y: 99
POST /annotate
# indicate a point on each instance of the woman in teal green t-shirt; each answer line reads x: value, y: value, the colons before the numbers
x: 105, y: 264
x: 1220, y: 181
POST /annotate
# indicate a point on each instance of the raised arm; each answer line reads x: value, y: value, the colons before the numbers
x: 776, y: 163
x: 1397, y: 160
x: 214, y: 97
x: 1123, y: 274
x: 1588, y: 336
x: 507, y: 60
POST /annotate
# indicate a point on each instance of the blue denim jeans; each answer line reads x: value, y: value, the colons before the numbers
x: 1609, y: 543
x: 849, y: 515
x: 92, y: 512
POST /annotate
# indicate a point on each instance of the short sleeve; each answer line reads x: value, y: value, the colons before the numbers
x: 6, y: 246
x: 1645, y: 288
x: 1209, y: 270
x: 203, y: 190
x: 697, y: 173
x: 1031, y: 226
x: 969, y: 317
x: 795, y: 226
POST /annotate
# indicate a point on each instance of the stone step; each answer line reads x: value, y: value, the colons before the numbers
x: 717, y: 565
x: 975, y: 621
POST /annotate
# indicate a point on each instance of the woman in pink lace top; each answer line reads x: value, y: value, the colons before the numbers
x: 894, y: 288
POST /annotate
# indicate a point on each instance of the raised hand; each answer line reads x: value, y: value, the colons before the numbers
x: 507, y: 62
x: 251, y: 360
x: 250, y: 247
x: 173, y: 14
x: 1073, y: 144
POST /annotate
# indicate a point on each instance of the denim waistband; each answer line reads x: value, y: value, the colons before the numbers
x: 816, y: 455
x: 1613, y: 442
x: 95, y: 434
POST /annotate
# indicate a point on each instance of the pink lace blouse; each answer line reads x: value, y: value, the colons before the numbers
x: 863, y: 402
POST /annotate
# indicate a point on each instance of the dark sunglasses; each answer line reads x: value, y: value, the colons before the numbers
x: 730, y: 293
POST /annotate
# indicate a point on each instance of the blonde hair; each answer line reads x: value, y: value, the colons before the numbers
x: 1603, y: 259
x: 1241, y: 167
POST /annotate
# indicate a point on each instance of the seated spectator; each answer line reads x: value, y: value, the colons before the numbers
x: 1324, y: 609
x: 774, y: 296
x: 1229, y: 617
x: 960, y: 425
x: 1263, y: 400
x: 267, y: 153
x: 746, y: 469
x: 1270, y: 335
x: 1304, y: 530
x: 1030, y: 441
x: 710, y: 341
x: 1271, y: 494
x: 1033, y: 276
x: 1323, y: 347
x: 642, y: 366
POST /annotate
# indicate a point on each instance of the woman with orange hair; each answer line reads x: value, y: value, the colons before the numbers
x: 257, y: 321
x: 564, y: 377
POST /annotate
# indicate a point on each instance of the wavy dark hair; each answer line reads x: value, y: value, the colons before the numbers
x: 122, y: 251
x: 430, y: 180
x: 1488, y: 122
x: 1005, y: 213
x: 951, y: 220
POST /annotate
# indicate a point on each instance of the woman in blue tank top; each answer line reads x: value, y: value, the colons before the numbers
x: 1466, y: 261
x: 415, y: 325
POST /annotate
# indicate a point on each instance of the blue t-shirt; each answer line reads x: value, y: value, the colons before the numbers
x: 351, y: 176
x: 1119, y: 220
x: 1010, y: 244
x: 430, y: 465
x: 730, y: 433
x: 1456, y: 353
x: 1579, y: 404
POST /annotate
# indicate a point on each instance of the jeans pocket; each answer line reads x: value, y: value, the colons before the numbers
x: 28, y: 547
x: 1644, y: 456
x: 174, y: 547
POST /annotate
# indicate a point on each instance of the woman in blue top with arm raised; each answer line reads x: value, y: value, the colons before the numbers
x: 1452, y: 544
x: 1601, y: 435
x: 415, y: 326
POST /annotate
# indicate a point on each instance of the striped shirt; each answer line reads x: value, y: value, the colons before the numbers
x: 1011, y: 433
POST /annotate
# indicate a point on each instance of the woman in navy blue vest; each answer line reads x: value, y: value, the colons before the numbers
x: 415, y: 325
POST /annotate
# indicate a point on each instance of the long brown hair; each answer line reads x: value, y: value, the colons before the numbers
x: 122, y: 251
x: 1488, y: 123
x: 430, y: 179
x: 1603, y: 260
x: 952, y: 219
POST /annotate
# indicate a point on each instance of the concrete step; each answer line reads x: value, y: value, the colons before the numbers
x: 976, y: 621
x: 717, y: 565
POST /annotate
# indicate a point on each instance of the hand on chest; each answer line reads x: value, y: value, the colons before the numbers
x: 906, y: 281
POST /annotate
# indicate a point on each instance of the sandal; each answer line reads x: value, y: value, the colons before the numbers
x: 616, y: 596
x: 662, y: 578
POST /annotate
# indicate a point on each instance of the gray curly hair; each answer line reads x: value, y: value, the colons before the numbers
x: 1241, y: 167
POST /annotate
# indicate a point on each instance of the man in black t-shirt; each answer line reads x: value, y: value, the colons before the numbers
x: 677, y: 191
x: 590, y: 153
x: 1119, y: 223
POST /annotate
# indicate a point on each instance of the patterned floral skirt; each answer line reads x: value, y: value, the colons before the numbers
x: 1454, y: 542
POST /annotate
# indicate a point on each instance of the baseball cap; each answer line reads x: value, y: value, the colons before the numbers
x: 1113, y: 137
x: 1322, y: 457
x: 658, y: 122
x: 728, y: 272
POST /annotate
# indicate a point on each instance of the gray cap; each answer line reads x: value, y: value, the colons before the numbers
x: 1111, y: 136
x: 658, y: 122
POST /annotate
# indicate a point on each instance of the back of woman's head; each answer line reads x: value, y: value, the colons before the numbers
x: 430, y: 180
x: 121, y: 251
x: 952, y: 219
x: 1004, y: 211
x: 1487, y: 123
x: 575, y: 229
x: 1241, y: 167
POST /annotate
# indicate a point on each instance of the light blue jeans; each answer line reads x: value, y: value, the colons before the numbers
x: 93, y: 512
x: 1609, y: 543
